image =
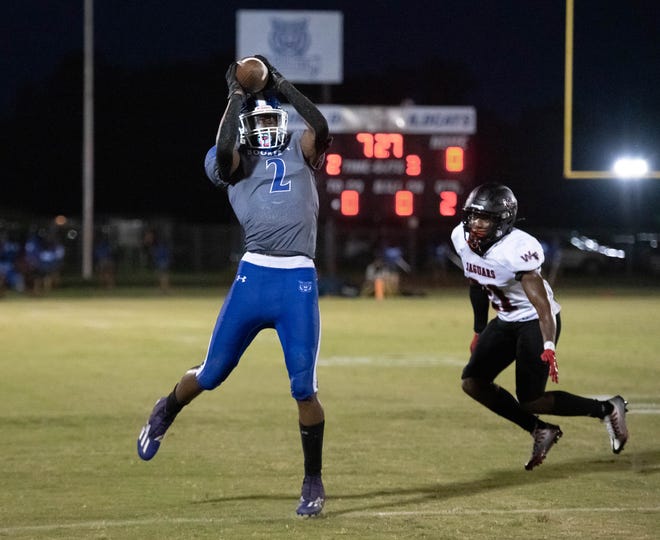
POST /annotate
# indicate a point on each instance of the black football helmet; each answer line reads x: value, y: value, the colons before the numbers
x: 488, y: 215
x: 263, y: 123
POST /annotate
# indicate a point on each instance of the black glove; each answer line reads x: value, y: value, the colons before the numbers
x: 276, y: 77
x: 232, y: 83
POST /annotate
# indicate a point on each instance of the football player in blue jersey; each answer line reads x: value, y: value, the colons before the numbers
x: 268, y: 174
x: 503, y: 266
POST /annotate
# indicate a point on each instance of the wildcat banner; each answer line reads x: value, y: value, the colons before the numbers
x: 305, y: 46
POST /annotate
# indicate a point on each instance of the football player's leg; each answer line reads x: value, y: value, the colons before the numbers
x: 238, y: 322
x: 494, y: 352
x: 531, y: 377
x: 312, y: 426
x: 299, y: 329
x: 227, y: 343
x: 300, y: 334
x: 531, y: 380
x: 164, y: 413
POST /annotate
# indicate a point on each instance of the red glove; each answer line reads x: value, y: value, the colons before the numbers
x: 549, y: 357
x: 473, y: 345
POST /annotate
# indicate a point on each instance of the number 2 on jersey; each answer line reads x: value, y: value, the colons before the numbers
x: 498, y: 299
x: 278, y: 183
x: 502, y: 303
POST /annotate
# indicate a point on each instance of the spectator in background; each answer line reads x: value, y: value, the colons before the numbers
x: 33, y: 265
x: 380, y: 279
x: 50, y: 256
x: 10, y: 276
x: 29, y: 262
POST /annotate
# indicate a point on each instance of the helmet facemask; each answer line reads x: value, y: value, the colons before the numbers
x: 264, y: 125
x: 480, y: 236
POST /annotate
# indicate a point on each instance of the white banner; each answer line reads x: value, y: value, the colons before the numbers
x: 305, y: 46
x: 411, y: 119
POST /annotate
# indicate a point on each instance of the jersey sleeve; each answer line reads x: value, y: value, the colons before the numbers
x: 458, y: 237
x: 524, y: 253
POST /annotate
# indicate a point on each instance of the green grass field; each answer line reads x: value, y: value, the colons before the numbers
x: 407, y: 454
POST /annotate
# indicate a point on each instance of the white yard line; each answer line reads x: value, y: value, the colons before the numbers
x: 101, y: 524
x: 391, y: 361
x: 515, y: 511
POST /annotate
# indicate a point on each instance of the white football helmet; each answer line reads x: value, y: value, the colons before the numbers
x: 263, y: 123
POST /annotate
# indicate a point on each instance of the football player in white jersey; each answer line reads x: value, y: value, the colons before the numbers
x: 503, y: 266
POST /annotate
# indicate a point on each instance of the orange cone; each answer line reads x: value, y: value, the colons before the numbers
x: 379, y: 288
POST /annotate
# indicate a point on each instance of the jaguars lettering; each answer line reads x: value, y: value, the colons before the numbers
x: 480, y: 271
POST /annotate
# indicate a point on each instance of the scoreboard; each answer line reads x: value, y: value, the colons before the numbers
x: 395, y: 162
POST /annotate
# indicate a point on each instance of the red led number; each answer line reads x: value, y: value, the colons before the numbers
x: 403, y: 203
x: 413, y: 165
x: 350, y: 202
x: 381, y: 145
x: 448, y: 200
x: 367, y: 140
x: 386, y: 144
x: 333, y: 164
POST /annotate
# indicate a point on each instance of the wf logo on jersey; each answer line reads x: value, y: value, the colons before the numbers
x: 305, y: 286
x: 529, y: 256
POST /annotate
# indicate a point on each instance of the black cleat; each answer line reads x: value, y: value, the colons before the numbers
x: 544, y: 439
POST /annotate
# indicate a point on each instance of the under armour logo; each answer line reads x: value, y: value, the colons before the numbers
x: 242, y: 279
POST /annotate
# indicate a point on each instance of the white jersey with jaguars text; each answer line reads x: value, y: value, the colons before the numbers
x: 496, y: 271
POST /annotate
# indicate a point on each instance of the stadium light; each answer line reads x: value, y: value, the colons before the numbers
x: 630, y: 168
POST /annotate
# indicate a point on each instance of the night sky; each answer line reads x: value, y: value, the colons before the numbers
x: 160, y: 91
x: 505, y: 44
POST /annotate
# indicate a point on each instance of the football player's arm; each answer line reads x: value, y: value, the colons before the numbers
x: 534, y: 288
x: 479, y: 302
x: 227, y: 156
x: 316, y: 139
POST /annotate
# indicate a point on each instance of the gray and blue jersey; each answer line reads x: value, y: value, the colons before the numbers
x: 276, y: 201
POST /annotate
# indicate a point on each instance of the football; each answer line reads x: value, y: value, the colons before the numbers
x: 252, y: 74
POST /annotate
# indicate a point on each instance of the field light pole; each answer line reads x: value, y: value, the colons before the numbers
x: 88, y: 142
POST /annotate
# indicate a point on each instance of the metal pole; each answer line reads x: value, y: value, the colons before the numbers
x: 88, y: 143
